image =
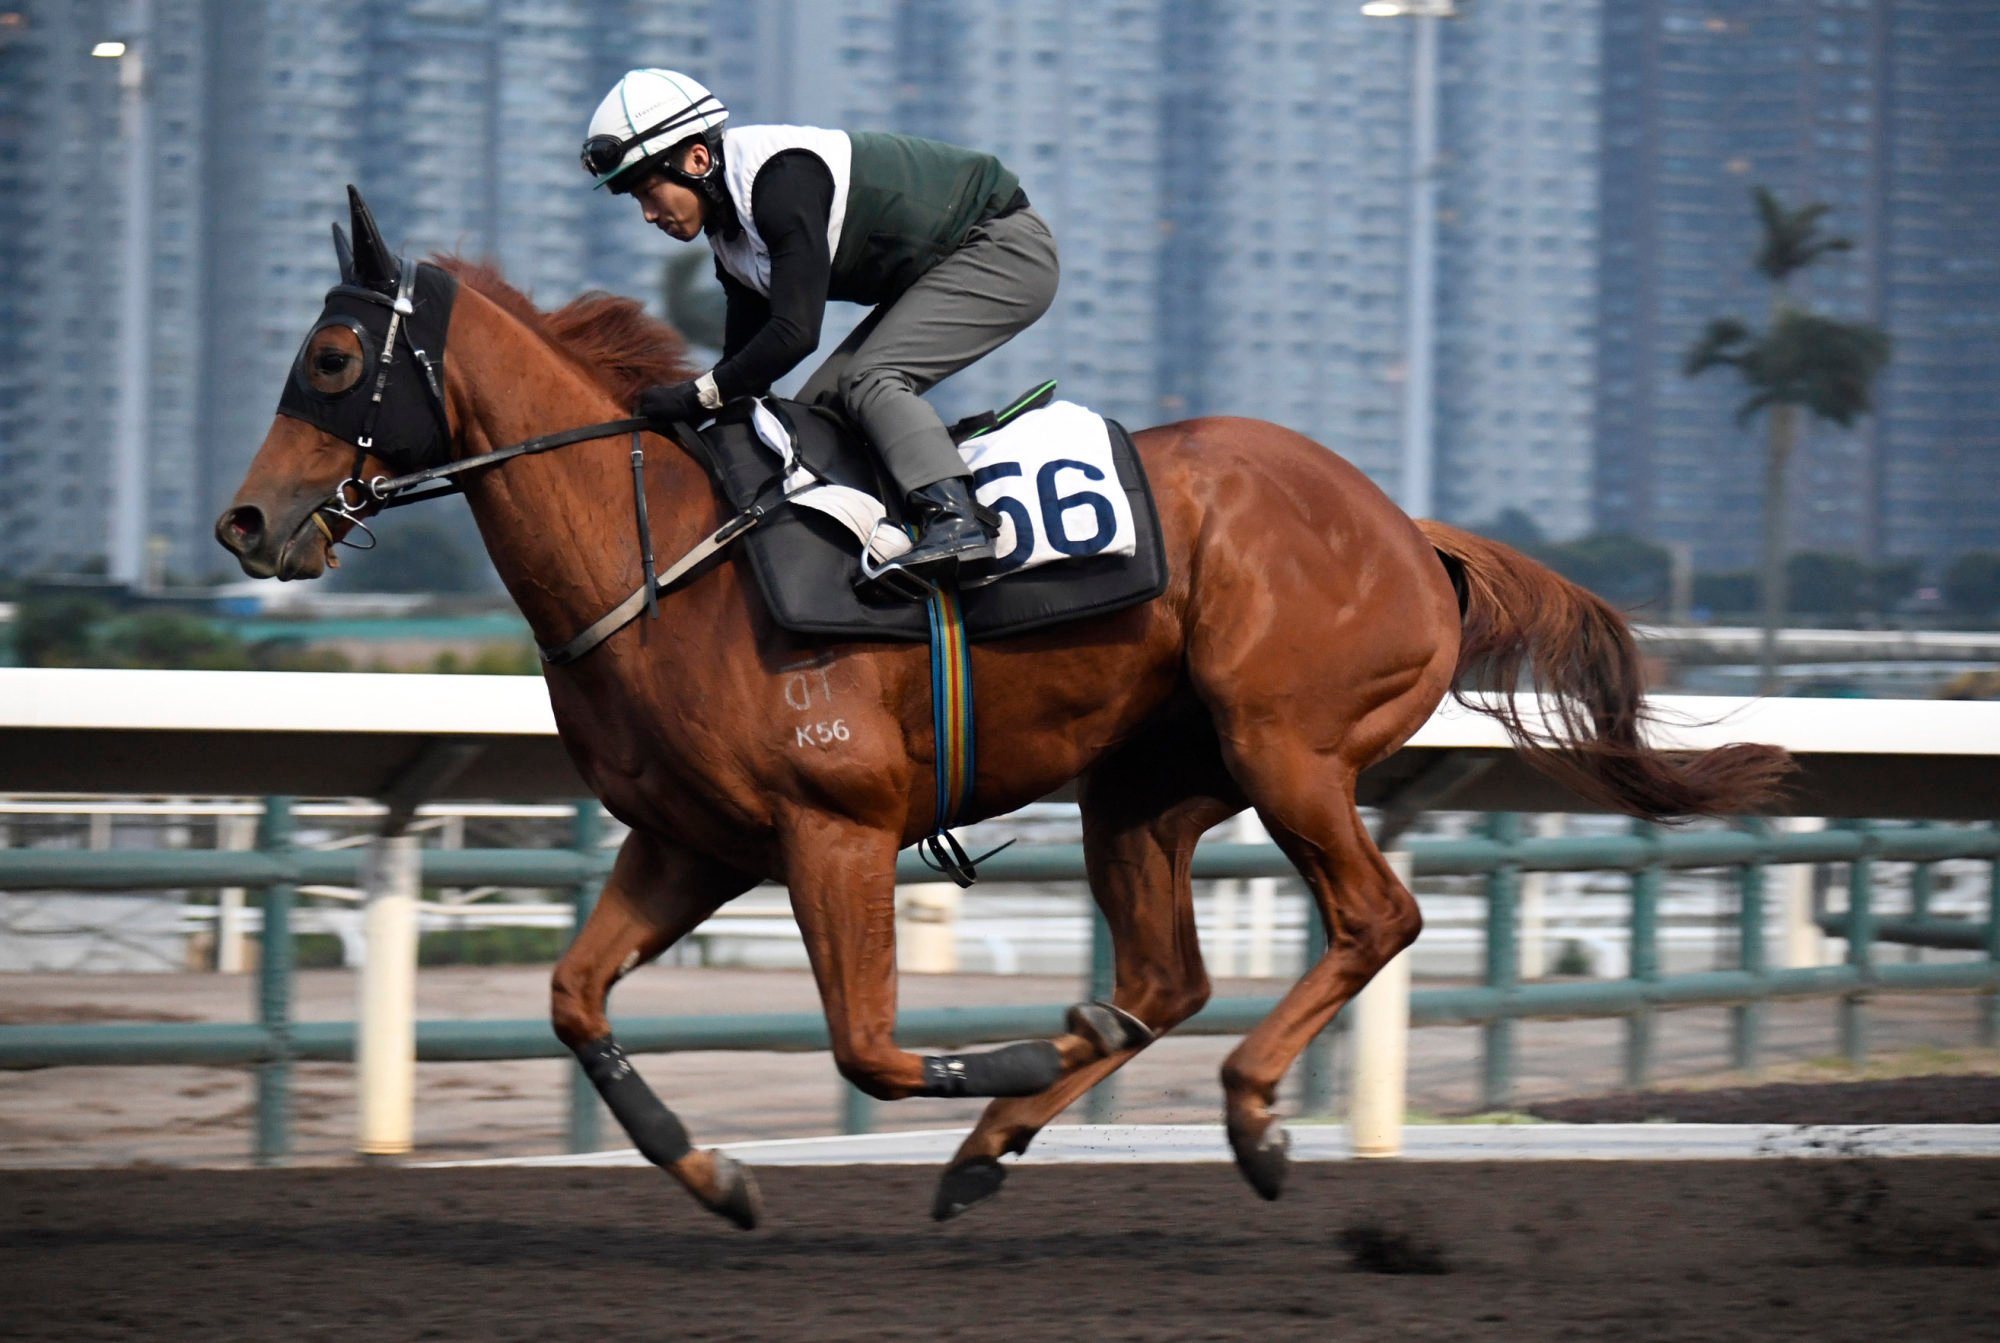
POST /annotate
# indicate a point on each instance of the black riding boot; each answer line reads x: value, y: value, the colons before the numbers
x: 952, y: 531
x: 952, y: 526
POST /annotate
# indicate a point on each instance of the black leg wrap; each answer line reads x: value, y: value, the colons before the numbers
x: 652, y: 1126
x: 1011, y: 1070
x: 1108, y: 1026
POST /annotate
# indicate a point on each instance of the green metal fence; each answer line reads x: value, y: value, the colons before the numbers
x: 1501, y: 854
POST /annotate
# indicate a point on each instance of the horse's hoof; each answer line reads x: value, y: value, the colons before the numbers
x: 737, y: 1197
x: 1264, y: 1159
x: 1109, y: 1028
x: 969, y: 1182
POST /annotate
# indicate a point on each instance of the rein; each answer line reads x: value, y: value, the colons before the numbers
x: 384, y: 492
x: 396, y: 491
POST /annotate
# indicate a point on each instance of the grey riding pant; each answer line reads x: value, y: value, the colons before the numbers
x: 1001, y: 278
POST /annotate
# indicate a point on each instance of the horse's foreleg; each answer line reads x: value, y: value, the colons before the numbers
x: 657, y: 894
x: 1144, y: 808
x: 843, y: 882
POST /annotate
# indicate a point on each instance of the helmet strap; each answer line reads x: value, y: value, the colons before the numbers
x: 711, y: 186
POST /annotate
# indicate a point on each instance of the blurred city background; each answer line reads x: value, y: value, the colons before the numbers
x: 1481, y: 248
x: 1470, y: 253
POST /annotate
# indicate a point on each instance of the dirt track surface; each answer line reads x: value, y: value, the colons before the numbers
x: 1905, y: 1100
x: 1798, y: 1249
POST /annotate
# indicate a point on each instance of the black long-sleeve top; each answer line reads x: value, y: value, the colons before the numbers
x: 764, y: 338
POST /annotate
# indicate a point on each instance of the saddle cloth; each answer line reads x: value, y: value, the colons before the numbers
x: 806, y: 562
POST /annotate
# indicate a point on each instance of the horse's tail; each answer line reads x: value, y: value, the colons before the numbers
x: 1579, y: 655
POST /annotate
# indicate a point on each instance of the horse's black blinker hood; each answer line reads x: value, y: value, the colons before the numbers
x: 398, y: 418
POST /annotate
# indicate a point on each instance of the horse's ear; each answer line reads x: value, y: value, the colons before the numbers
x: 374, y: 264
x: 343, y: 251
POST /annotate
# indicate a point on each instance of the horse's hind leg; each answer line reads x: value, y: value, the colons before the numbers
x: 657, y: 894
x: 1144, y: 807
x: 842, y: 876
x: 1307, y: 802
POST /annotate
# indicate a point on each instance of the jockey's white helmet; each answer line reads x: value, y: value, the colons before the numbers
x: 647, y: 113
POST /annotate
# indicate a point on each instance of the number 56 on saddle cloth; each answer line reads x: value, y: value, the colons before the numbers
x: 1079, y: 535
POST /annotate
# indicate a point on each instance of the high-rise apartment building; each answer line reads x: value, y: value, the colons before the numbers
x: 1067, y: 96
x: 1285, y: 206
x: 283, y: 122
x: 1228, y: 184
x: 1937, y: 484
x: 62, y: 170
x: 1882, y: 111
x: 1517, y: 265
x: 460, y: 121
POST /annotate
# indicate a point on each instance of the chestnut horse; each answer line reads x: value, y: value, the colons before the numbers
x: 1309, y: 629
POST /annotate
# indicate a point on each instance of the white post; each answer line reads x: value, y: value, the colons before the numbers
x: 1263, y: 927
x: 927, y: 928
x: 1381, y: 1035
x: 176, y: 833
x: 385, y: 1046
x: 234, y: 834
x: 1261, y: 957
x: 1222, y: 952
x: 451, y: 835
x: 1805, y: 945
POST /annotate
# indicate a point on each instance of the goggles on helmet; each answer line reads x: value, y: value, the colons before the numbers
x: 603, y: 153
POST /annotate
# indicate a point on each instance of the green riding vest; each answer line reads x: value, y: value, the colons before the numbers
x: 910, y: 203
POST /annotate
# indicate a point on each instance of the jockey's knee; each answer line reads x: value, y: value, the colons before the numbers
x: 863, y: 388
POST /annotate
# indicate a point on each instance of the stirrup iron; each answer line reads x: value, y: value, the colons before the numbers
x: 893, y: 579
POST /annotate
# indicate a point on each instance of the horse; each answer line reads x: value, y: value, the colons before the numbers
x: 1308, y: 629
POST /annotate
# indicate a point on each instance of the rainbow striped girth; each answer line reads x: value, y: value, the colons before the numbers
x: 951, y: 704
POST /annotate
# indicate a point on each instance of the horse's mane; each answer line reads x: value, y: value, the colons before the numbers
x: 609, y: 337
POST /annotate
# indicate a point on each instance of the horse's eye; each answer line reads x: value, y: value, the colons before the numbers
x: 333, y: 360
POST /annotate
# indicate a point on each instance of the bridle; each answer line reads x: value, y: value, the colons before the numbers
x: 355, y: 495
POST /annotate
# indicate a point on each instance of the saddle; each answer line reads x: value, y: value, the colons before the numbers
x: 806, y: 562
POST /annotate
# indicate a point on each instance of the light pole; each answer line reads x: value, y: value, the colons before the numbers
x: 126, y: 548
x: 1421, y: 283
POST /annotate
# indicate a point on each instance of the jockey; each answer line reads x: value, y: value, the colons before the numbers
x: 939, y: 240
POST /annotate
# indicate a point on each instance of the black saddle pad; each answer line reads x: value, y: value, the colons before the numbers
x: 806, y: 562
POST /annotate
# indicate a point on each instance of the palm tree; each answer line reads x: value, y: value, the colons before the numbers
x: 1800, y: 360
